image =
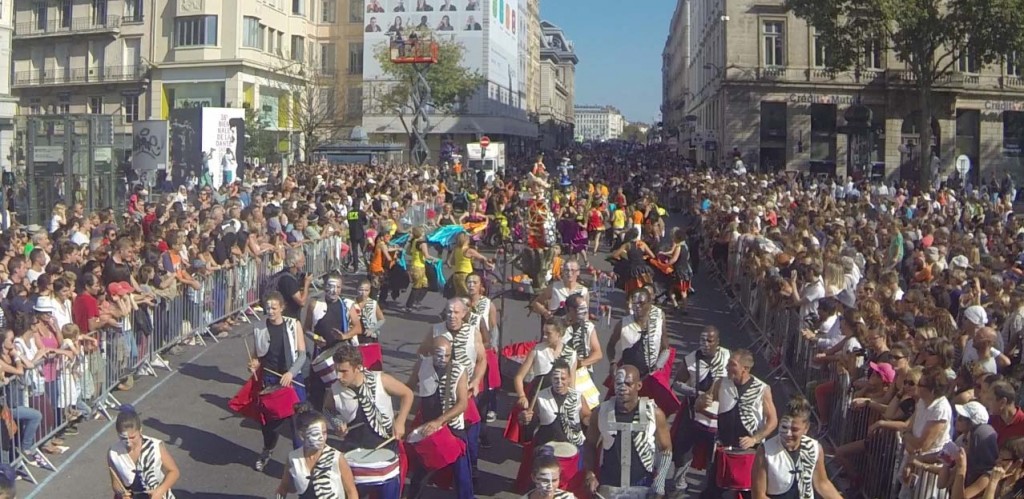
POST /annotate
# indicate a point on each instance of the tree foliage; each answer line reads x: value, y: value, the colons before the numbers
x: 929, y: 36
x: 314, y: 109
x: 260, y: 141
x: 451, y: 83
x: 632, y: 132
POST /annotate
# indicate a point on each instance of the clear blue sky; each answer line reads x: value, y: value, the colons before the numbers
x: 619, y: 45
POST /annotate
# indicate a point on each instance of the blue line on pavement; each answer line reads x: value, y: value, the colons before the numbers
x: 106, y: 427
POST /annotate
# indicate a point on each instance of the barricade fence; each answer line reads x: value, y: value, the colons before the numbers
x: 43, y: 394
x: 777, y: 330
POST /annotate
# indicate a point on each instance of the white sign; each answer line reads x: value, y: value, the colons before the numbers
x: 220, y: 144
x: 963, y: 164
x: 48, y: 154
x: 103, y: 154
x: 149, y: 145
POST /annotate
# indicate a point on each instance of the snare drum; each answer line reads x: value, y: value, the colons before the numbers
x: 437, y: 450
x: 323, y: 365
x: 278, y: 402
x: 623, y: 492
x: 372, y: 467
x: 734, y: 467
x: 568, y: 462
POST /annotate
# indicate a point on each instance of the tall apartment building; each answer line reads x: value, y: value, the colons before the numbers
x: 534, y: 37
x: 598, y: 123
x: 761, y: 91
x: 557, y: 88
x: 139, y: 59
x: 8, y: 104
x: 675, y: 62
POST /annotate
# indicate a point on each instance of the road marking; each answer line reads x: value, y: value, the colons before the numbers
x: 106, y: 427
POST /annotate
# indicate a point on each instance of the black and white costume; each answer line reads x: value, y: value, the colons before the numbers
x: 323, y: 481
x: 147, y: 473
x: 791, y: 473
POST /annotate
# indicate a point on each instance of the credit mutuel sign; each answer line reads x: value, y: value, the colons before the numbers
x: 842, y: 100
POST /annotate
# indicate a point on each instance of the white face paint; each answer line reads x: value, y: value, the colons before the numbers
x: 582, y: 311
x: 621, y: 377
x: 333, y: 290
x: 440, y: 357
x: 559, y: 380
x: 315, y: 437
x: 786, y: 427
x: 546, y: 480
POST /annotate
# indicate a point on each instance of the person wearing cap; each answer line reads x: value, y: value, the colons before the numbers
x: 980, y: 442
x: 882, y: 376
x: 981, y: 349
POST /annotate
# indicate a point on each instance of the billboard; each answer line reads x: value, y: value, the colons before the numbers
x: 149, y: 145
x: 207, y: 143
x: 461, y: 20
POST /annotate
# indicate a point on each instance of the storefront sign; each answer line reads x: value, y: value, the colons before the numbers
x: 1004, y: 105
x: 843, y: 100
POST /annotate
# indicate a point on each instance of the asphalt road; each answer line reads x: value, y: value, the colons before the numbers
x: 215, y: 449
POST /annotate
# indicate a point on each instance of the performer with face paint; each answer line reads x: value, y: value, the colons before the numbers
x: 315, y: 470
x: 546, y: 472
x: 638, y: 338
x: 486, y: 315
x: 441, y: 383
x: 581, y: 335
x: 139, y: 463
x: 362, y: 412
x: 333, y: 320
x: 535, y: 367
x: 628, y: 439
x: 371, y: 315
x: 552, y: 301
x: 791, y: 465
x: 695, y: 429
x: 555, y: 417
x: 746, y: 416
x: 461, y: 328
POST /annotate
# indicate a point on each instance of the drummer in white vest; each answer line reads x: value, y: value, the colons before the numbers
x: 628, y: 440
x: 746, y: 412
x: 696, y: 429
x: 638, y: 339
x: 361, y: 411
x: 551, y: 301
x: 581, y: 336
x: 486, y: 314
x: 333, y: 319
x: 791, y: 465
x: 441, y: 383
x: 461, y: 328
x: 315, y: 470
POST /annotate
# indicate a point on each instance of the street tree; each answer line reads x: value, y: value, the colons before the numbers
x: 314, y: 110
x: 632, y: 132
x: 451, y: 83
x: 261, y: 142
x: 931, y: 36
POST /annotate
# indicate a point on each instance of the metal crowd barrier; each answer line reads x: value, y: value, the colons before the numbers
x: 776, y: 334
x: 43, y: 402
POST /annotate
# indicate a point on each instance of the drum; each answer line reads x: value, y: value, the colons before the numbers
x: 568, y: 462
x: 372, y: 467
x: 734, y: 467
x: 623, y: 492
x: 437, y: 450
x: 323, y: 365
x: 278, y: 402
x: 372, y: 356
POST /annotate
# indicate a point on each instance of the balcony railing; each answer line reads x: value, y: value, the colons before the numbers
x: 77, y: 26
x: 78, y: 76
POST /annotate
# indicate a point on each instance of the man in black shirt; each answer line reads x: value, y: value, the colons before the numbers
x: 356, y: 234
x: 294, y: 290
x: 117, y: 268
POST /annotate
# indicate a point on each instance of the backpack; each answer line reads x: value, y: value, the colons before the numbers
x: 269, y: 284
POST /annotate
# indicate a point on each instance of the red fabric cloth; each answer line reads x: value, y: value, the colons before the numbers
x: 247, y: 401
x: 373, y: 358
x: 657, y: 386
x: 493, y: 378
x: 513, y: 429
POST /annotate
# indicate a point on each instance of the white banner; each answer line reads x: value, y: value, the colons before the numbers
x: 149, y: 145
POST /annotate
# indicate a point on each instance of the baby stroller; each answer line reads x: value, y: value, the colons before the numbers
x: 573, y: 235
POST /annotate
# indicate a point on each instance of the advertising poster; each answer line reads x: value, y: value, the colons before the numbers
x: 186, y: 154
x: 223, y: 136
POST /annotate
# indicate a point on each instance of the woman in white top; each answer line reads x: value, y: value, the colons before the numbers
x: 927, y: 431
x: 316, y: 470
x: 535, y: 367
x: 791, y: 465
x: 139, y: 463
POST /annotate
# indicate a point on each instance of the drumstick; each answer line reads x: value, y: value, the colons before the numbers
x: 281, y: 376
x: 121, y: 490
x: 382, y: 444
x: 248, y: 352
x: 540, y: 384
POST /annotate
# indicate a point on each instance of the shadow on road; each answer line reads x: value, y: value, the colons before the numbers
x: 210, y: 373
x: 204, y: 446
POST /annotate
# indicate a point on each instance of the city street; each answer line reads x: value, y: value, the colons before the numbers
x: 215, y: 449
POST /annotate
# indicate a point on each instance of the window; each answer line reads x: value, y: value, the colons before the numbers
x: 328, y: 57
x: 41, y: 16
x: 133, y: 11
x: 355, y: 11
x: 130, y: 107
x: 773, y: 121
x: 270, y: 40
x: 821, y: 55
x: 968, y: 62
x: 65, y: 13
x: 873, y: 55
x: 252, y: 33
x: 327, y: 102
x: 774, y: 43
x: 95, y: 105
x: 354, y: 101
x: 355, y: 58
x: 328, y: 11
x: 280, y: 43
x: 1013, y: 133
x: 823, y: 132
x: 299, y: 7
x: 1013, y: 64
x: 195, y: 31
x: 298, y: 48
x: 99, y: 12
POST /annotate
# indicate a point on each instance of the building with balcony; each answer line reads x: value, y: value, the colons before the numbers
x: 760, y: 91
x: 140, y: 59
x: 8, y: 103
x: 675, y: 63
x: 598, y: 123
x: 556, y: 113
